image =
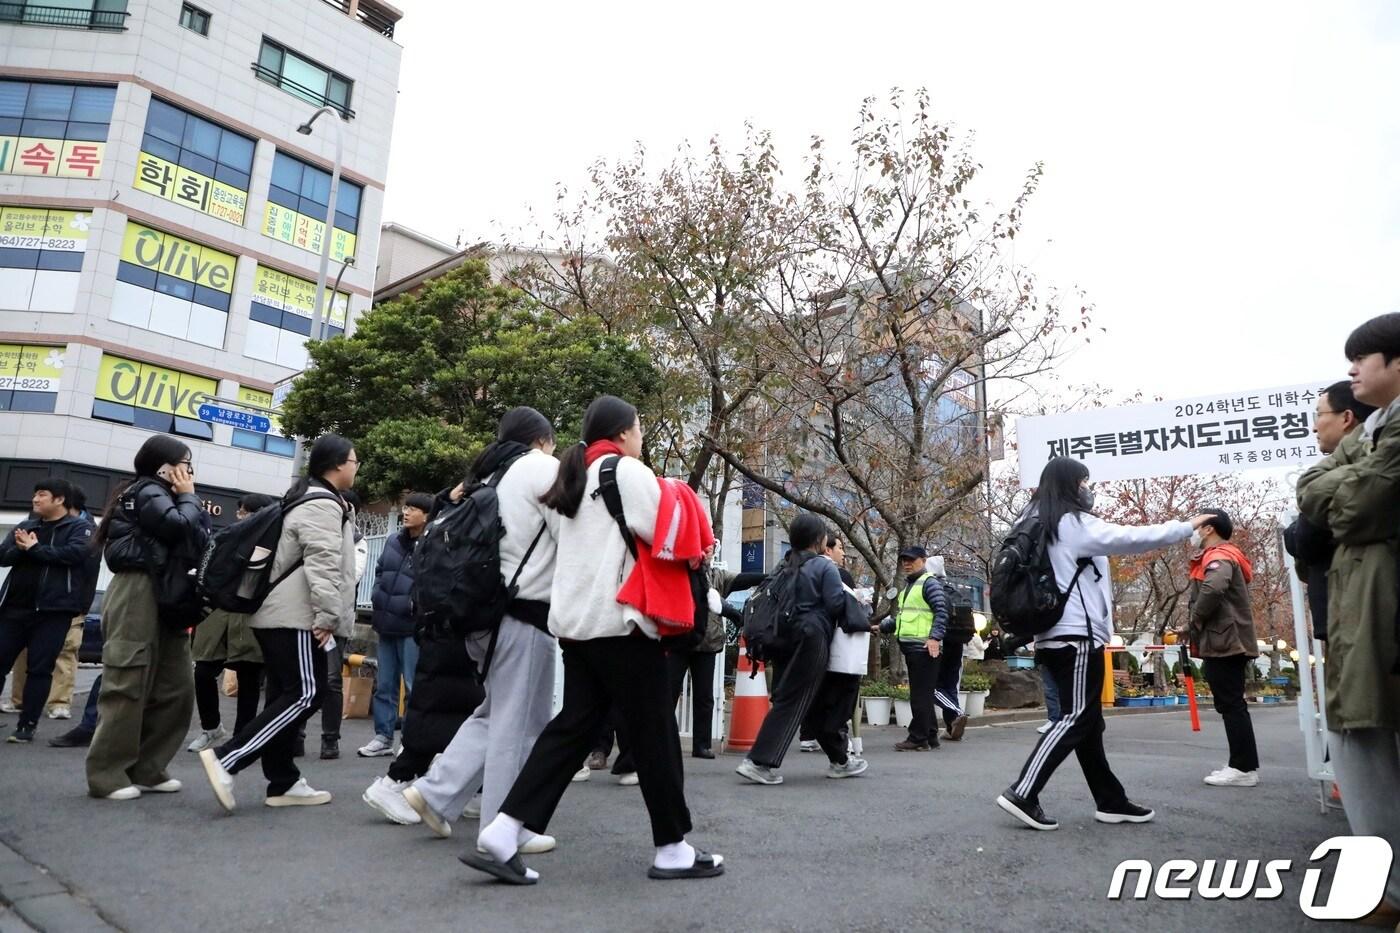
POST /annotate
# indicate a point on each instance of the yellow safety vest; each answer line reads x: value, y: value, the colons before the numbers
x: 915, y: 619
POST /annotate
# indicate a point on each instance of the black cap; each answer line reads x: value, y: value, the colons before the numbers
x: 913, y: 551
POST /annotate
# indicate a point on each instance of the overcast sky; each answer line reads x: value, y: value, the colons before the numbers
x: 1222, y: 179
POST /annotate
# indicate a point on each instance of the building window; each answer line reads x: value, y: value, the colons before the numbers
x: 297, y: 201
x: 303, y: 78
x: 173, y: 286
x: 59, y: 130
x: 41, y: 258
x: 192, y: 161
x: 30, y: 376
x: 152, y: 397
x: 194, y: 19
x: 81, y: 14
x: 280, y: 315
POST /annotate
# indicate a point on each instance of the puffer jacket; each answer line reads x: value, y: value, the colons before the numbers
x: 58, y: 564
x: 445, y: 692
x: 1356, y: 493
x: 1221, y: 619
x: 319, y: 594
x: 149, y: 522
x: 393, y: 588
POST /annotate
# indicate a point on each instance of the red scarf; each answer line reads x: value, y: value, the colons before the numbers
x: 1225, y: 551
x: 600, y: 449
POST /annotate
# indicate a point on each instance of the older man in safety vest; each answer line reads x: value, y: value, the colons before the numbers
x: 919, y: 624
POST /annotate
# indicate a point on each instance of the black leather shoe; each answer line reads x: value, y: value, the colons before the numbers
x: 73, y: 738
x: 704, y: 752
x: 330, y: 749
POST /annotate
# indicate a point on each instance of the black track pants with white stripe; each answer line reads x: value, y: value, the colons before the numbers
x: 295, y: 667
x: 1078, y: 673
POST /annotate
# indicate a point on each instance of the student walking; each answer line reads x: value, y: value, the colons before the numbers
x: 1079, y: 542
x: 296, y: 624
x: 225, y: 642
x: 153, y: 528
x: 612, y: 655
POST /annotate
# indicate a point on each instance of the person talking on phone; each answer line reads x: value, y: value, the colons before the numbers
x: 147, y: 676
x: 296, y: 627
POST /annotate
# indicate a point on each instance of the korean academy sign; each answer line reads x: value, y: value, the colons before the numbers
x: 1211, y: 434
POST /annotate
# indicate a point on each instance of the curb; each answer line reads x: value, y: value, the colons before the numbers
x: 32, y: 899
x: 1032, y: 714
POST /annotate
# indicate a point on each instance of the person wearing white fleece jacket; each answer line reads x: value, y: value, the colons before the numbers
x: 1073, y: 649
x: 492, y: 745
x: 612, y: 658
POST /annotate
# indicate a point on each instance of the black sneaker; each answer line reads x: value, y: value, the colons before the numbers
x: 1127, y: 812
x: 77, y: 737
x: 23, y: 734
x: 908, y: 745
x: 1025, y: 811
x: 330, y: 749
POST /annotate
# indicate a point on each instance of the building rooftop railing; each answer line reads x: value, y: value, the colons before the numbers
x: 375, y: 14
x: 13, y: 11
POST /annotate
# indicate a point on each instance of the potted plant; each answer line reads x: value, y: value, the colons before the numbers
x: 1132, y: 696
x: 876, y: 696
x: 903, y: 709
x: 977, y: 685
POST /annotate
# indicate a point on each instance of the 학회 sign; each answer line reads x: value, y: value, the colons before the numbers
x: 217, y: 414
x: 1209, y: 434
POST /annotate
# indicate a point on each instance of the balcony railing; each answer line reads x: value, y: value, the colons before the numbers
x: 377, y: 16
x: 305, y: 93
x: 36, y: 15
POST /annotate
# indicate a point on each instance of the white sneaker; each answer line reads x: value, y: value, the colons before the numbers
x: 811, y: 745
x: 7, y: 707
x: 126, y: 793
x: 172, y: 786
x: 300, y: 794
x: 414, y: 798
x: 386, y: 796
x: 581, y: 774
x: 472, y: 811
x: 1045, y: 727
x: 629, y: 779
x: 60, y: 712
x: 1232, y: 777
x: 219, y: 779
x: 378, y: 747
x: 208, y: 739
x: 852, y: 768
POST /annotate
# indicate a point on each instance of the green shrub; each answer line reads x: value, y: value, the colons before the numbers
x: 976, y: 682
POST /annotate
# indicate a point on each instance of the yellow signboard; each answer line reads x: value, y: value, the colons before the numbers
x: 151, y: 387
x: 34, y: 155
x: 292, y: 293
x: 41, y: 228
x: 188, y: 187
x: 305, y: 232
x: 173, y: 255
x: 31, y: 368
x: 261, y: 400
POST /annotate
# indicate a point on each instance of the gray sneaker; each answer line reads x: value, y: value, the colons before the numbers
x: 758, y: 773
x: 851, y: 768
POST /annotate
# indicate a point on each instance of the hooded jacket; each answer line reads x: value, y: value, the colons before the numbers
x: 1222, y: 623
x: 59, y: 565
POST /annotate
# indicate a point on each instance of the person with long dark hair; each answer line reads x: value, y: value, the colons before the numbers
x: 151, y: 524
x: 296, y: 626
x: 612, y: 655
x: 1079, y: 543
x: 224, y: 641
x: 492, y: 744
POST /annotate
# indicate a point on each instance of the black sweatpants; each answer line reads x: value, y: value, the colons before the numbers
x: 1078, y: 673
x: 629, y: 673
x: 206, y: 692
x: 296, y: 685
x: 831, y: 709
x: 701, y: 665
x: 1226, y: 679
x: 42, y: 633
x: 923, y: 685
x: 799, y: 679
x: 950, y: 665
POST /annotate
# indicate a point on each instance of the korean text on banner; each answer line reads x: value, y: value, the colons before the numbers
x: 31, y: 368
x: 1211, y: 434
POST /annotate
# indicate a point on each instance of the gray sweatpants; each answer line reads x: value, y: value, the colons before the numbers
x: 492, y: 745
x: 1367, y: 762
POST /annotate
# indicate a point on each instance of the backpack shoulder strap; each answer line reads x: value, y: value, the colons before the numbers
x: 611, y: 494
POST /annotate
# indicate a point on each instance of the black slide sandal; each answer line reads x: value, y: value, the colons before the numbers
x: 512, y: 872
x: 706, y: 866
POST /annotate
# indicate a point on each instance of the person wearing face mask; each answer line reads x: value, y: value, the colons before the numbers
x: 1073, y: 649
x: 1221, y: 627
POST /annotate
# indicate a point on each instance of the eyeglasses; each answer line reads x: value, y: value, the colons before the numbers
x: 352, y: 460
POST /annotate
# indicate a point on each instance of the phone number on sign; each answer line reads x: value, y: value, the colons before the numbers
x: 34, y: 242
x: 38, y: 385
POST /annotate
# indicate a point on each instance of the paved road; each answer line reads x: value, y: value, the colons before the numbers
x: 916, y: 844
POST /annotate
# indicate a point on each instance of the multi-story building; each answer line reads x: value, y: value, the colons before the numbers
x: 162, y: 220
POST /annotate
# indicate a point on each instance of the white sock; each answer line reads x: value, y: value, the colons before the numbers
x: 501, y: 837
x: 676, y: 855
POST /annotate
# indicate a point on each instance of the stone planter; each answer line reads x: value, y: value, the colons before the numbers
x: 877, y: 710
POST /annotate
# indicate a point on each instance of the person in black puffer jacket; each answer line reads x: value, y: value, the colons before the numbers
x: 446, y: 690
x: 147, y: 675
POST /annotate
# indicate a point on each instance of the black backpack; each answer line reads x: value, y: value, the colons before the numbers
x: 1025, y: 598
x: 769, y: 613
x: 457, y: 582
x: 235, y: 571
x: 611, y: 495
x: 960, y: 626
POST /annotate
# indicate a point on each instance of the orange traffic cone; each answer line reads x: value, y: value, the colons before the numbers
x: 750, y: 704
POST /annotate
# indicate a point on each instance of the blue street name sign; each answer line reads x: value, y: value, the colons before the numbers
x: 239, y: 419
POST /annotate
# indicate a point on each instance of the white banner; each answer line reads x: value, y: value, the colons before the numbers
x: 1210, y: 434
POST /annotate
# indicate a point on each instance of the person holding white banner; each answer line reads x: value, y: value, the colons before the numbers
x: 1073, y: 649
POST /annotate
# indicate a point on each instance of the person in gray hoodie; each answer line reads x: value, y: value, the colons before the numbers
x: 297, y: 626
